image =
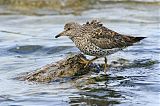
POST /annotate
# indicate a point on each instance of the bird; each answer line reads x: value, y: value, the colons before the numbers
x: 94, y: 39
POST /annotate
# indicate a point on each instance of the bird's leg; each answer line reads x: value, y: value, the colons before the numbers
x: 106, y: 66
x: 87, y: 62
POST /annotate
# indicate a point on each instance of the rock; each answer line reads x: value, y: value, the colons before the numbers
x: 69, y: 67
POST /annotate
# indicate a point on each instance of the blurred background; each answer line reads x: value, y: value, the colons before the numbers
x: 63, y: 7
x: 27, y: 30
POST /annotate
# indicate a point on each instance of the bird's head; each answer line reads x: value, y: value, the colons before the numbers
x: 70, y: 29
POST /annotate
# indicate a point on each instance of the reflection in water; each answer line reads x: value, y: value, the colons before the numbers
x: 89, y: 100
x: 115, y: 89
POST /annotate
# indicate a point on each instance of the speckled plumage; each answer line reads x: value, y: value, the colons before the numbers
x: 92, y: 38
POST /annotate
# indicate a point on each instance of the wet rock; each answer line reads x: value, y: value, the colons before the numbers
x: 25, y: 49
x: 69, y: 67
x: 124, y: 63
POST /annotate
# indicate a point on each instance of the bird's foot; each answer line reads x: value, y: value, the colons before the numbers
x: 84, y: 61
x: 106, y: 68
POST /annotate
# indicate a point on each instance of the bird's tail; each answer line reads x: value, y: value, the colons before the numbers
x: 137, y: 39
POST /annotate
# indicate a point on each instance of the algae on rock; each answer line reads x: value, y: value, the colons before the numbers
x: 68, y: 67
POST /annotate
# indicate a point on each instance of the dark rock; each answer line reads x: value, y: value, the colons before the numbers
x: 68, y: 67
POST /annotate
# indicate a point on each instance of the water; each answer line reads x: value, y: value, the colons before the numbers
x: 27, y: 43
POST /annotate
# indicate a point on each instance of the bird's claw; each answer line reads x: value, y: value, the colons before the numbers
x: 106, y: 67
x: 84, y: 61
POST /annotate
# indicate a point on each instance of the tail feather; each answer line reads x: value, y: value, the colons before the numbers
x: 130, y: 40
x: 137, y: 39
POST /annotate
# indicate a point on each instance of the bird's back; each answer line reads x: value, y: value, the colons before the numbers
x: 106, y: 38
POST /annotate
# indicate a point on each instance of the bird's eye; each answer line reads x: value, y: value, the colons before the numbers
x: 68, y: 28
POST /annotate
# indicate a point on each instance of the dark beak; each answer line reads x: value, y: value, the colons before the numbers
x: 60, y: 34
x: 57, y: 36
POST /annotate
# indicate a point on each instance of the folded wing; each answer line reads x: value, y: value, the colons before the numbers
x: 108, y: 39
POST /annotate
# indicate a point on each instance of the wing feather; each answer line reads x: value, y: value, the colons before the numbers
x: 108, y: 39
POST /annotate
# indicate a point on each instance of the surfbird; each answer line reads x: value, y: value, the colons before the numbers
x: 94, y: 39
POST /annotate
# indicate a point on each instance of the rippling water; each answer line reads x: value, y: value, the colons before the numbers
x: 27, y: 43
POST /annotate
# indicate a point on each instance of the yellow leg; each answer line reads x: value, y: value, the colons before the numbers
x: 106, y: 66
x: 87, y: 62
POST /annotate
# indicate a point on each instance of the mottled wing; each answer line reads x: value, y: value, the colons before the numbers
x: 108, y: 39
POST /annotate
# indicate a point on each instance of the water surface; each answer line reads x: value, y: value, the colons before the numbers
x: 27, y: 43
